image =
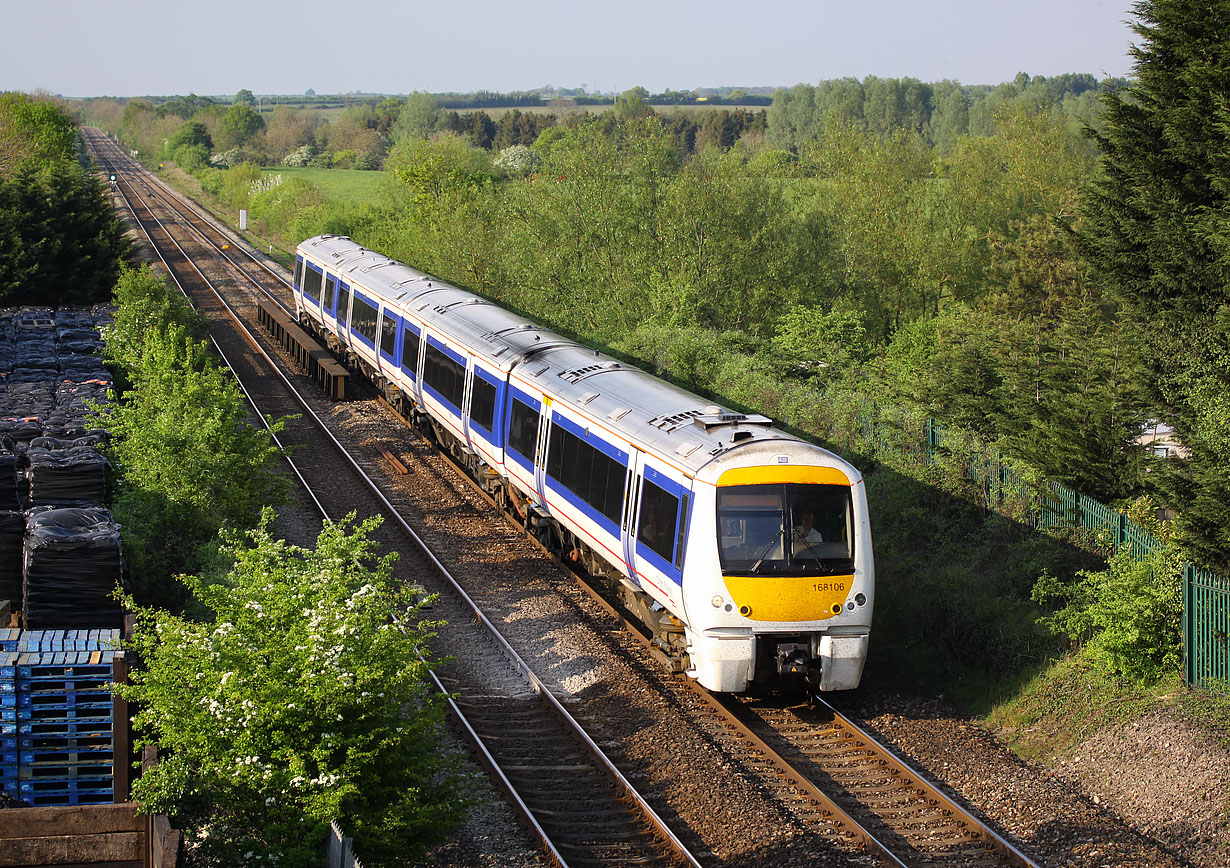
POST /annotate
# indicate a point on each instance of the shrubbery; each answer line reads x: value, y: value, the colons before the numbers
x: 189, y: 459
x: 1127, y: 618
x: 302, y: 698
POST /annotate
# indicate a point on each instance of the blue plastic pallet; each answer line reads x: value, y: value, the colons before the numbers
x: 21, y: 716
x: 85, y: 728
x: 95, y: 741
x: 65, y: 774
x: 51, y: 785
x: 31, y: 662
x: 63, y: 684
x: 69, y: 640
x: 61, y: 701
x: 66, y: 758
x: 67, y: 798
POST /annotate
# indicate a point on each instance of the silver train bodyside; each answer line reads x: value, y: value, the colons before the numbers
x: 745, y: 551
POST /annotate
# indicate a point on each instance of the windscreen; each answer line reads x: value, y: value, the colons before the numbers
x: 796, y: 529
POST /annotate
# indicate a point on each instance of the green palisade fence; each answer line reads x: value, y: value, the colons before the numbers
x: 1206, y: 595
x: 1206, y: 624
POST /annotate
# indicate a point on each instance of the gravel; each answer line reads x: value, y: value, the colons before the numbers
x: 1147, y: 794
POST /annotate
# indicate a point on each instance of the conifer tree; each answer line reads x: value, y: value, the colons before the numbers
x: 1159, y: 230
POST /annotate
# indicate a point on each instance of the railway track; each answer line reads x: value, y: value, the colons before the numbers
x: 823, y: 771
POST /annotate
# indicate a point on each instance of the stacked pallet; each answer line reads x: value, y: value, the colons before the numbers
x: 57, y: 744
x: 72, y: 562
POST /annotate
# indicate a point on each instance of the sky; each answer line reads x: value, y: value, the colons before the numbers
x: 137, y: 47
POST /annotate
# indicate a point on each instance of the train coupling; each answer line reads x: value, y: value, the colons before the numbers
x: 794, y: 661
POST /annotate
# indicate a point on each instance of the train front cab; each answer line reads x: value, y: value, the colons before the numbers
x: 789, y: 591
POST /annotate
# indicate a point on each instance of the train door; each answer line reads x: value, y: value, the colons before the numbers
x: 662, y: 520
x: 632, y: 502
x: 343, y: 312
x: 540, y: 462
x: 330, y: 299
x: 465, y: 403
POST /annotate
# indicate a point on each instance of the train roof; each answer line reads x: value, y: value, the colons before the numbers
x: 680, y: 427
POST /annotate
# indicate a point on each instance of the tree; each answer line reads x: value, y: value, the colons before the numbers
x: 1159, y: 230
x: 192, y: 133
x: 633, y: 104
x: 191, y: 462
x: 237, y: 126
x: 61, y: 242
x: 35, y: 130
x: 300, y: 700
x: 185, y: 106
x: 439, y: 172
x: 290, y: 129
x: 244, y: 97
x: 481, y: 129
x: 419, y: 118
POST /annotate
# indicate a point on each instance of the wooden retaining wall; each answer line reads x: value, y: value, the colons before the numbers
x: 86, y: 836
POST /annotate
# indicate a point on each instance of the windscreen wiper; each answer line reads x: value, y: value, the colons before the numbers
x: 781, y: 531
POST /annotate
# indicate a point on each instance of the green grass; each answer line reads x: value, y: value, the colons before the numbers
x: 1071, y: 701
x: 345, y: 185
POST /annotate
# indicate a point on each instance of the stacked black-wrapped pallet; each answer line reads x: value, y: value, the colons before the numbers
x: 51, y: 368
x: 12, y: 549
x: 65, y: 472
x: 73, y: 562
x: 57, y: 744
x: 51, y: 377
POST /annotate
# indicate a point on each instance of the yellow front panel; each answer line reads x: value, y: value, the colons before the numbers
x: 769, y: 474
x: 789, y: 598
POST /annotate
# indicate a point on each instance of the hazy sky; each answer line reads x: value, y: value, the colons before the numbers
x: 138, y: 47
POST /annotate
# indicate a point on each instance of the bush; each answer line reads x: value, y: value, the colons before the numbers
x: 191, y: 157
x: 303, y: 699
x: 190, y: 462
x: 299, y: 157
x: 1127, y: 619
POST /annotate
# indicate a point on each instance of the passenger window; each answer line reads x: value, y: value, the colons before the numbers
x: 410, y: 351
x: 659, y: 514
x: 343, y: 304
x: 482, y: 403
x: 523, y: 429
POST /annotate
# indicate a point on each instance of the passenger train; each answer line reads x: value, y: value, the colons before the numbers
x: 745, y: 551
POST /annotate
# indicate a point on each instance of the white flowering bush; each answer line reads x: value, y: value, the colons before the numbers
x: 516, y: 161
x: 302, y: 701
x: 264, y: 184
x: 226, y: 159
x: 299, y: 157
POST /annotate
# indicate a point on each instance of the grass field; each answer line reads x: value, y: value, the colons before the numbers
x: 340, y: 184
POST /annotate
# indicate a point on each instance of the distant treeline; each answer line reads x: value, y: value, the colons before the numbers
x: 942, y: 111
x: 690, y: 130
